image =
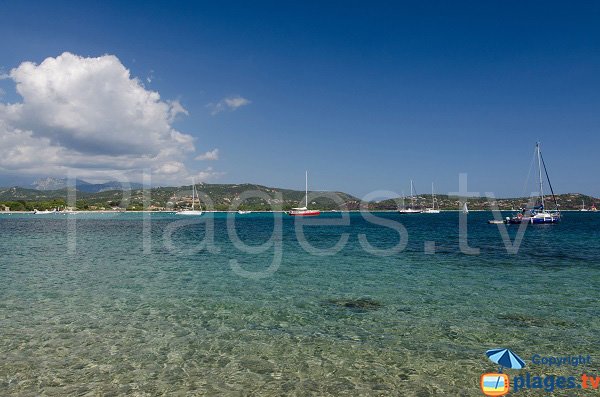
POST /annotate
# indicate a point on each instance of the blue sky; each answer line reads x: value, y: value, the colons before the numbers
x: 364, y: 95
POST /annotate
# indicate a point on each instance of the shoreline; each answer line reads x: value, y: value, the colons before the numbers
x: 235, y: 212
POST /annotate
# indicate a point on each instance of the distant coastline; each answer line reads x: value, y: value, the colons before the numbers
x: 232, y: 212
x: 222, y: 197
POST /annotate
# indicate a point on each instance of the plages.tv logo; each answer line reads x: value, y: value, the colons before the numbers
x: 498, y: 383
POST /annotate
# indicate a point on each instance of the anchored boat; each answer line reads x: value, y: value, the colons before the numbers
x: 538, y: 214
x: 45, y: 212
x: 192, y: 211
x: 432, y: 210
x: 304, y: 211
x: 411, y: 209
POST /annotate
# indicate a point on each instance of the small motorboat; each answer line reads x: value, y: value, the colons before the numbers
x: 45, y: 212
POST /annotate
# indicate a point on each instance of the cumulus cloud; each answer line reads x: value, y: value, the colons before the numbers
x: 90, y: 117
x: 176, y: 109
x: 207, y: 175
x: 229, y: 103
x: 209, y: 156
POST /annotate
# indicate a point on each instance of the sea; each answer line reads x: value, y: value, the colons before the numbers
x: 345, y: 304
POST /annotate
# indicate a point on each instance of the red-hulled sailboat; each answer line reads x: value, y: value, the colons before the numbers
x: 304, y: 211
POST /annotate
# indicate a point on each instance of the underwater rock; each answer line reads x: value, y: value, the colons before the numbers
x: 360, y: 304
x: 524, y: 320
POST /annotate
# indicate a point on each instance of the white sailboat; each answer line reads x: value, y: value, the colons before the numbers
x: 192, y: 211
x: 304, y: 211
x: 583, y: 209
x: 411, y: 209
x: 432, y: 210
x: 465, y: 209
x: 538, y: 214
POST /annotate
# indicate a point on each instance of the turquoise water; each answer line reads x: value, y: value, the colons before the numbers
x: 103, y: 306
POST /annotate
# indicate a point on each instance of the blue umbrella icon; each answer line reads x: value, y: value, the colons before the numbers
x: 505, y: 358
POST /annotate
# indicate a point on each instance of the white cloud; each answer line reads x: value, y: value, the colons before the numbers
x: 176, y: 109
x: 236, y: 102
x: 229, y: 103
x: 90, y: 117
x: 171, y: 168
x: 209, y: 156
x: 207, y: 175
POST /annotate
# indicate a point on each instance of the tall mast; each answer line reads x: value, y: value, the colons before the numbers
x: 193, y: 192
x: 412, y: 196
x: 306, y: 187
x: 432, y: 197
x: 540, y: 173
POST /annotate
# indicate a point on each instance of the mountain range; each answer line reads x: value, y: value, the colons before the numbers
x: 50, y: 183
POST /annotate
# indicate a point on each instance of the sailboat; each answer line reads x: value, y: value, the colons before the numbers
x: 583, y: 209
x: 465, y: 209
x: 192, y: 211
x: 304, y: 211
x: 411, y: 209
x: 432, y: 210
x: 538, y: 214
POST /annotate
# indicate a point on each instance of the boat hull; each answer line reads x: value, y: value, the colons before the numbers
x: 189, y: 213
x: 535, y: 220
x: 304, y: 213
x: 410, y: 211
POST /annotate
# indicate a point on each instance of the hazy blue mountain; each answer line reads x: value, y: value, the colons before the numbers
x: 50, y: 183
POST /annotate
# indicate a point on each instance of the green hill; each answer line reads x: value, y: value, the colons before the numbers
x: 568, y: 201
x: 223, y: 196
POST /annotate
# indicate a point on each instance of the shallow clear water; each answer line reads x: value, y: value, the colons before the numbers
x: 134, y: 311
